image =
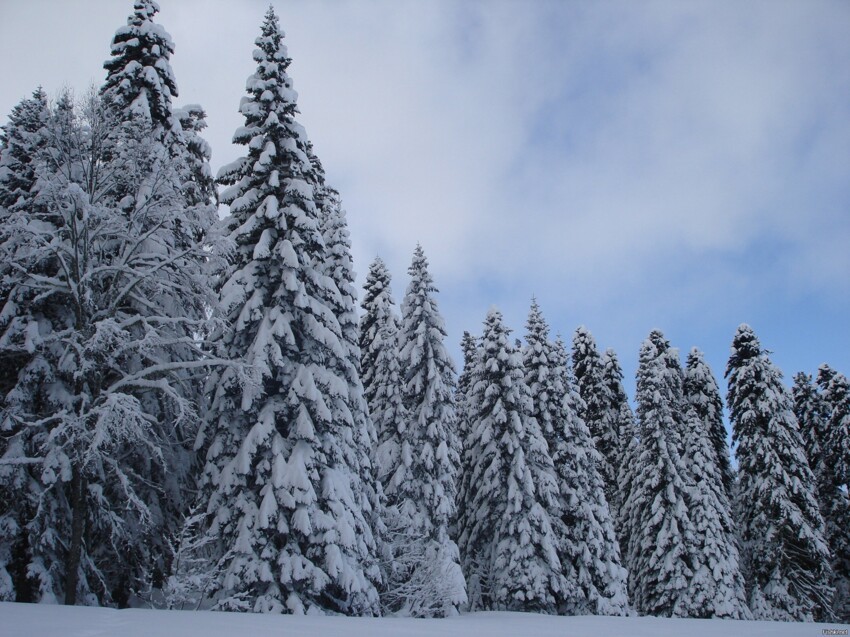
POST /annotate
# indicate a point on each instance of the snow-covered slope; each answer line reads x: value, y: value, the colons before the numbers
x: 28, y: 620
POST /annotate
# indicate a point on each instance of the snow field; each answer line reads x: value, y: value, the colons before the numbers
x: 33, y: 620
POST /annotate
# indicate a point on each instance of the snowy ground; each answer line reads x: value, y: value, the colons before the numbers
x: 27, y: 620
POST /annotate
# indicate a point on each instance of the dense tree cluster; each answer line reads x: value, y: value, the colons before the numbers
x: 193, y: 412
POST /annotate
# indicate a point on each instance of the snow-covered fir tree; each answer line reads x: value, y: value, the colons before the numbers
x: 622, y: 420
x: 378, y: 313
x: 107, y: 311
x: 139, y: 78
x: 510, y: 551
x: 831, y: 472
x: 199, y: 183
x: 587, y: 546
x: 661, y: 542
x: 812, y: 413
x: 282, y: 484
x: 140, y: 87
x: 422, y: 487
x: 675, y: 377
x: 836, y: 439
x: 468, y: 346
x: 717, y: 586
x: 703, y: 395
x: 339, y: 267
x: 429, y: 381
x: 382, y: 377
x: 138, y: 91
x: 21, y: 140
x: 588, y: 371
x: 784, y: 554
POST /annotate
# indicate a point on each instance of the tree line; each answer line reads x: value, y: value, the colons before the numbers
x: 194, y: 413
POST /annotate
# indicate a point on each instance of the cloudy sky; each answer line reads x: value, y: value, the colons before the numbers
x: 680, y: 165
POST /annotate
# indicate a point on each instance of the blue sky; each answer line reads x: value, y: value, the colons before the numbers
x: 635, y: 165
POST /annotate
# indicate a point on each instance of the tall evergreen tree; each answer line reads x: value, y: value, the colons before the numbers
x: 510, y: 551
x: 339, y: 267
x: 832, y: 472
x: 425, y: 497
x: 21, y: 139
x: 620, y: 419
x: 587, y: 546
x: 785, y: 557
x: 661, y: 542
x: 717, y: 587
x: 812, y: 414
x: 621, y: 415
x: 703, y: 395
x: 139, y: 81
x: 588, y: 372
x: 199, y: 183
x: 675, y: 378
x: 282, y: 483
x: 468, y: 346
x: 382, y: 378
x: 378, y: 313
x: 836, y: 439
x: 138, y: 92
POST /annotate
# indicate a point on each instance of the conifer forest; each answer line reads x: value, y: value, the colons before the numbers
x: 199, y: 409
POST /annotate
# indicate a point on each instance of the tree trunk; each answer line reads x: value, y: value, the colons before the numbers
x: 78, y: 517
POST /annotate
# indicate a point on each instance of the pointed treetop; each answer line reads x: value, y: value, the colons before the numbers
x: 536, y: 324
x: 143, y: 10
x: 420, y: 261
x: 271, y: 38
x: 825, y: 375
x: 139, y: 80
x: 745, y: 345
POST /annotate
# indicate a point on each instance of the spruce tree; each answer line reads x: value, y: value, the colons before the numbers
x: 784, y: 554
x: 378, y: 313
x: 832, y: 478
x: 381, y: 373
x: 717, y: 587
x: 339, y: 267
x: 675, y: 378
x: 139, y: 81
x: 587, y: 546
x: 138, y: 92
x: 620, y: 419
x: 425, y: 497
x: 661, y: 542
x: 466, y: 382
x: 812, y: 414
x: 468, y: 346
x: 282, y: 483
x: 703, y: 395
x: 510, y: 552
x: 21, y: 140
x: 199, y: 183
x: 836, y: 439
x: 588, y: 372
